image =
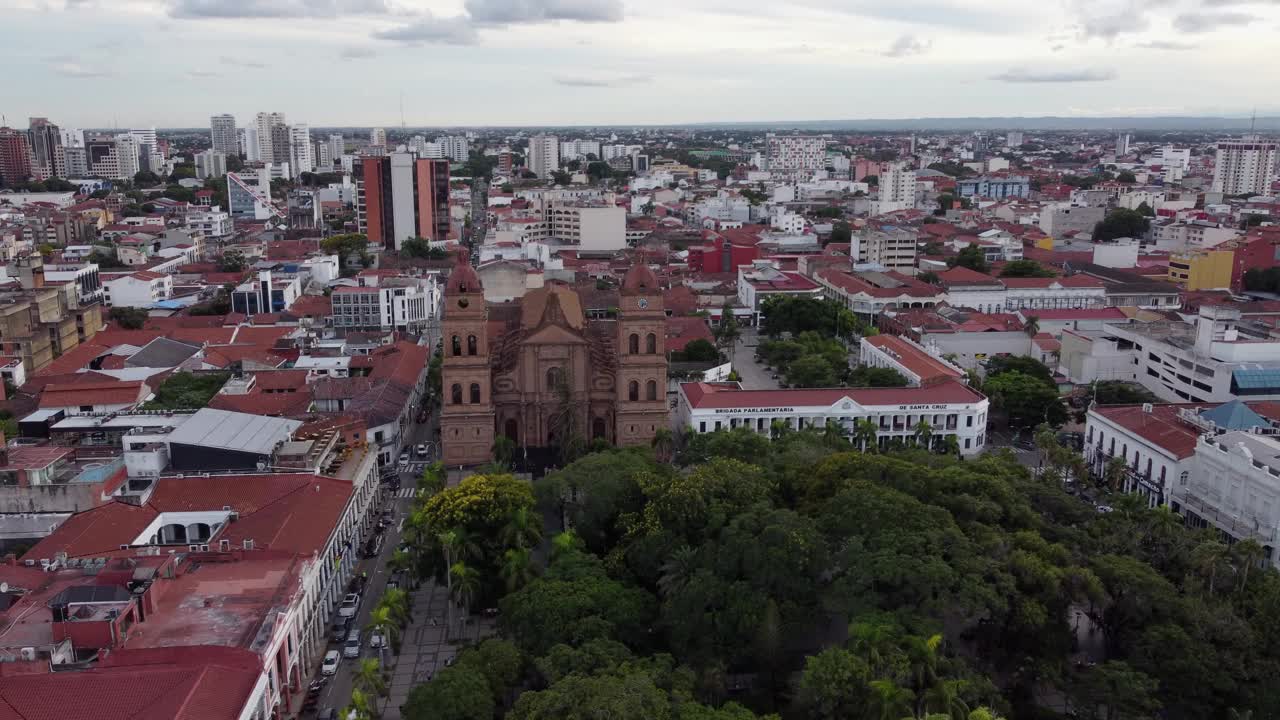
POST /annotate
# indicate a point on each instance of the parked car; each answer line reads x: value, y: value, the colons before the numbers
x: 327, y: 714
x: 339, y: 629
x: 350, y: 604
x: 351, y: 648
x: 376, y: 640
x: 330, y: 664
x: 404, y: 457
x: 422, y: 450
x: 374, y: 546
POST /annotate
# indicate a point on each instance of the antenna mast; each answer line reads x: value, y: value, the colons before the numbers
x: 401, y: 109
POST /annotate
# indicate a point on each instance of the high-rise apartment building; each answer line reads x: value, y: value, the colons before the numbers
x: 128, y: 155
x: 264, y: 123
x: 250, y: 144
x: 544, y: 155
x: 75, y: 160
x: 15, y: 156
x: 1122, y: 144
x: 897, y: 188
x: 378, y: 136
x: 1014, y: 139
x: 324, y: 161
x: 337, y: 147
x: 506, y: 163
x: 223, y: 128
x: 46, y: 144
x: 1248, y: 165
x: 281, y: 149
x: 300, y: 156
x: 796, y: 152
x: 399, y: 197
x: 573, y: 149
x: 454, y: 147
x: 210, y: 164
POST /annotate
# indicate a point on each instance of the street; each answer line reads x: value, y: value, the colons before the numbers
x: 424, y: 649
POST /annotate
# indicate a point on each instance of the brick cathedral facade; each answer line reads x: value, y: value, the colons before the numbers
x: 541, y: 373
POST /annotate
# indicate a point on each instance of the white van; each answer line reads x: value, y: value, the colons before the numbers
x: 351, y: 648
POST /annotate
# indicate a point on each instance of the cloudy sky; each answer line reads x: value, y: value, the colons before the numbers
x: 98, y: 63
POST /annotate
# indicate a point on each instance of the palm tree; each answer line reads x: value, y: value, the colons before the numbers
x: 1248, y: 553
x: 397, y: 602
x: 891, y: 701
x: 677, y: 570
x: 950, y: 445
x: 368, y: 677
x: 728, y: 333
x: 833, y: 434
x: 465, y: 586
x: 1208, y: 558
x: 873, y: 641
x: 663, y: 444
x: 403, y: 562
x: 944, y: 698
x: 923, y: 433
x: 1114, y: 473
x: 517, y: 568
x: 522, y: 530
x: 923, y: 656
x: 361, y: 708
x: 1032, y: 326
x: 778, y: 429
x: 564, y: 542
x: 382, y: 620
x: 504, y: 451
x: 864, y: 434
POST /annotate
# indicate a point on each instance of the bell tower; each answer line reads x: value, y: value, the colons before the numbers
x: 641, y: 384
x: 466, y: 416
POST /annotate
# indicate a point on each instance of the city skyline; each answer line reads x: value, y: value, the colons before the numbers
x: 608, y: 62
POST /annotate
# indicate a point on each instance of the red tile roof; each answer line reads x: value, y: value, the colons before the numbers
x: 189, y: 683
x: 682, y: 330
x: 1160, y: 427
x: 914, y: 358
x: 727, y: 395
x: 99, y: 393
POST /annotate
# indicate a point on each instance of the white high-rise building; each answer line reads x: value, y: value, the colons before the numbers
x: 324, y: 161
x: 796, y: 152
x: 249, y: 142
x: 544, y: 155
x: 223, y: 130
x: 897, y: 187
x: 1014, y: 139
x: 378, y: 136
x: 210, y: 164
x: 127, y: 154
x: 146, y: 137
x: 337, y: 147
x: 72, y: 137
x: 454, y: 147
x: 1248, y: 165
x: 1122, y: 144
x: 300, y: 156
x: 573, y: 149
x: 263, y: 122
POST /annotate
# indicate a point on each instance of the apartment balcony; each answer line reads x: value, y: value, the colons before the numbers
x: 1242, y: 528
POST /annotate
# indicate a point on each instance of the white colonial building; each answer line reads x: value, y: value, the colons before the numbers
x: 950, y: 408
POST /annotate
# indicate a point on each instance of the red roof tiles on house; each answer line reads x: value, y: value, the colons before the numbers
x: 919, y: 362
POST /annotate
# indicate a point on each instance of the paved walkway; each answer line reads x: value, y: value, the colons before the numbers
x: 424, y: 650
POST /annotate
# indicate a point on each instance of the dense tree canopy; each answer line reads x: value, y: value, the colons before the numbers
x: 1025, y: 268
x: 972, y: 257
x: 1121, y: 222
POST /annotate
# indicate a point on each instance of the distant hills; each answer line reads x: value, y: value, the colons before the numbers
x: 1158, y: 123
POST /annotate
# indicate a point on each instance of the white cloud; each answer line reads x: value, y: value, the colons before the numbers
x: 1210, y: 21
x: 510, y: 12
x: 1166, y: 45
x: 907, y: 45
x: 72, y: 69
x: 246, y: 64
x: 428, y: 29
x: 196, y: 9
x: 1025, y: 75
x: 602, y: 82
x: 357, y: 53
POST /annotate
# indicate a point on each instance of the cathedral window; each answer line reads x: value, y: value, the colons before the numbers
x: 651, y: 389
x: 633, y: 345
x: 456, y: 394
x: 651, y: 344
x: 471, y: 344
x: 633, y: 389
x: 457, y: 346
x: 553, y: 378
x: 475, y: 393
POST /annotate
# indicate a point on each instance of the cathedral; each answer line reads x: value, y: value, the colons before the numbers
x: 540, y: 372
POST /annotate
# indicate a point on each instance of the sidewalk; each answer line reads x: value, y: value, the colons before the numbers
x: 424, y: 650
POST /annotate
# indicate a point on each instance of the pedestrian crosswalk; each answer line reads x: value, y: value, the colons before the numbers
x: 405, y: 492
